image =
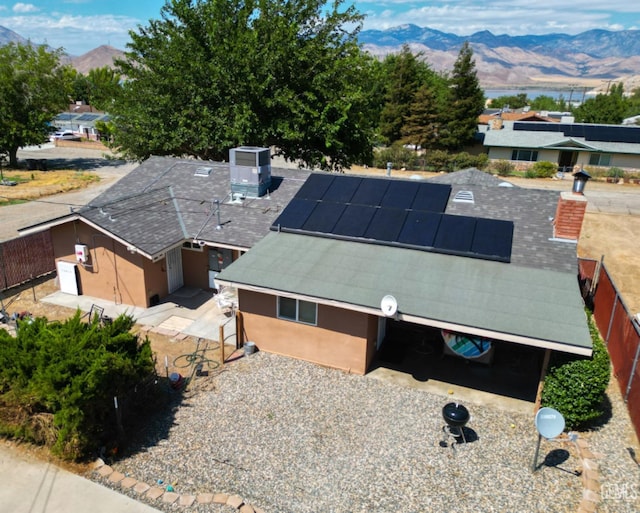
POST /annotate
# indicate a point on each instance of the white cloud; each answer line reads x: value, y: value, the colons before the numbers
x: 76, y: 34
x: 514, y: 17
x: 24, y: 8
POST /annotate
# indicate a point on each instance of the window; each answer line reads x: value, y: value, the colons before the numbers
x: 297, y: 310
x: 193, y: 246
x: 526, y: 155
x: 600, y: 159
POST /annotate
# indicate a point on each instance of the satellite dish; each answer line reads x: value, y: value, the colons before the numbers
x: 549, y: 422
x: 389, y: 305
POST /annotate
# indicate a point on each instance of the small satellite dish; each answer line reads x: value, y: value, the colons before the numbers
x: 389, y: 305
x: 549, y: 422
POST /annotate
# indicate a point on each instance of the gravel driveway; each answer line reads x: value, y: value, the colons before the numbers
x: 290, y: 436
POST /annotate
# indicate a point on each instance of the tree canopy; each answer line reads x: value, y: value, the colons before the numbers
x: 604, y: 108
x: 33, y: 91
x: 215, y: 74
x: 465, y: 102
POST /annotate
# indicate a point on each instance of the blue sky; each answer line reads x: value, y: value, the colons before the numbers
x: 81, y: 25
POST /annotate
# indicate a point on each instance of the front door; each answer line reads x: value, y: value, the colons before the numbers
x: 566, y: 160
x: 175, y: 279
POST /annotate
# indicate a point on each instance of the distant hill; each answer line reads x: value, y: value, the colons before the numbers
x: 588, y: 59
x: 97, y: 58
x: 9, y: 36
x: 592, y: 59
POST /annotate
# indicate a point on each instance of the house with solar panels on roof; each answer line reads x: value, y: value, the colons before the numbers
x: 169, y: 223
x: 358, y: 270
x: 567, y: 144
x: 81, y: 119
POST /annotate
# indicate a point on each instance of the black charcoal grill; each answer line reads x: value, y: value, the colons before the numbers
x: 456, y: 416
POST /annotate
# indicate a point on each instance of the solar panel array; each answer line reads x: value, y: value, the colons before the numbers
x: 400, y: 213
x: 601, y: 133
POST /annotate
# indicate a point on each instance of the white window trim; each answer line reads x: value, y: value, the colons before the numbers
x: 192, y: 246
x: 297, y: 319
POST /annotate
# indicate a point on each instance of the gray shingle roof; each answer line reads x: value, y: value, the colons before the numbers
x: 163, y: 202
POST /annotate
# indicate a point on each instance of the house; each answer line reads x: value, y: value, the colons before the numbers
x: 352, y: 259
x: 169, y: 223
x: 566, y: 144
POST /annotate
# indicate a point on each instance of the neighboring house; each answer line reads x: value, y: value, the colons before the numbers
x: 169, y: 223
x: 493, y: 119
x: 81, y: 120
x: 352, y: 258
x: 565, y: 144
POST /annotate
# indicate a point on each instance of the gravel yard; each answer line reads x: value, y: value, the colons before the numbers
x: 290, y: 436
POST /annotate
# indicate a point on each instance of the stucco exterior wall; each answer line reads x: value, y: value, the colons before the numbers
x: 111, y: 272
x: 195, y: 268
x: 626, y: 161
x: 342, y: 339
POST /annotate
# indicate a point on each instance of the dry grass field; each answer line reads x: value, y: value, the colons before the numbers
x: 39, y: 184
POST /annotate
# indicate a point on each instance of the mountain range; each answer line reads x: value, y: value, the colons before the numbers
x: 592, y: 59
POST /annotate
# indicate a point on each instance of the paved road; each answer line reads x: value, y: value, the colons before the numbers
x: 14, y: 217
x: 30, y: 485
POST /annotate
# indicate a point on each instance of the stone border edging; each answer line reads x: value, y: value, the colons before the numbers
x: 590, y: 478
x: 157, y: 493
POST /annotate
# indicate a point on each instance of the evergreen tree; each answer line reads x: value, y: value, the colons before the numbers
x: 465, y: 102
x: 403, y: 81
x: 421, y: 125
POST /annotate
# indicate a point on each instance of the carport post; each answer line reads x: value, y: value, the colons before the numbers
x: 221, y: 339
x: 543, y: 374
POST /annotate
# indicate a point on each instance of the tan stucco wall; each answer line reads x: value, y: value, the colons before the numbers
x: 342, y: 339
x: 111, y: 273
x: 195, y: 268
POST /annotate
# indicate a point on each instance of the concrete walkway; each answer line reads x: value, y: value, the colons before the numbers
x: 30, y: 485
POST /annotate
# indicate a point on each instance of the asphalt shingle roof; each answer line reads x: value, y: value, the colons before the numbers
x: 163, y: 202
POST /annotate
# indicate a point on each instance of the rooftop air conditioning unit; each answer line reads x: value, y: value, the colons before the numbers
x: 250, y: 169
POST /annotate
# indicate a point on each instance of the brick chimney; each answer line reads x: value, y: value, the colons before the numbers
x: 567, y: 223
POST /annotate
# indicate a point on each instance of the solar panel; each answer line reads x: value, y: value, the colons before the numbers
x: 399, y: 194
x: 324, y: 217
x: 294, y: 215
x: 370, y: 192
x: 65, y: 116
x: 493, y: 238
x: 342, y: 189
x: 354, y: 221
x: 420, y: 228
x: 432, y: 197
x: 88, y: 117
x: 315, y: 187
x: 405, y: 213
x: 386, y: 224
x: 455, y: 233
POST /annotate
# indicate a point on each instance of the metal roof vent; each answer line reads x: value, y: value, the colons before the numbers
x: 463, y: 197
x: 203, y: 171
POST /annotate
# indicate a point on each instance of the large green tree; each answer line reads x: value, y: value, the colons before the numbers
x: 421, y: 125
x: 609, y: 109
x: 33, y: 91
x: 213, y: 74
x: 465, y: 102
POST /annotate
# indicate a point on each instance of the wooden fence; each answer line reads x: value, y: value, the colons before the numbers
x: 620, y: 331
x: 25, y: 258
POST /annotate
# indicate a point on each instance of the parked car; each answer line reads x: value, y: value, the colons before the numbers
x: 64, y: 135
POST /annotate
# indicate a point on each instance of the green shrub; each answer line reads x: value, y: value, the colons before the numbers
x: 615, y: 172
x: 502, y: 167
x: 544, y: 169
x: 399, y: 156
x: 576, y: 386
x: 438, y: 160
x: 58, y: 380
